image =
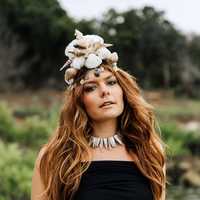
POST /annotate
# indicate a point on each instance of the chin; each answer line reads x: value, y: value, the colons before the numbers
x: 108, y: 115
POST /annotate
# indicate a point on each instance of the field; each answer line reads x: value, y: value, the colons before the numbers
x: 27, y: 119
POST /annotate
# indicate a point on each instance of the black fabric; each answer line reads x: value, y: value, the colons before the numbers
x: 113, y: 180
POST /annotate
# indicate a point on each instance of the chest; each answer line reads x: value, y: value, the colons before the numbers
x: 117, y: 153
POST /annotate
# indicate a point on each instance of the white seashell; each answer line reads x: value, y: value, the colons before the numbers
x: 115, y: 67
x: 78, y: 62
x: 82, y: 81
x: 93, y: 39
x: 113, y: 57
x: 82, y: 43
x: 96, y: 46
x: 108, y: 45
x: 70, y: 73
x: 78, y: 34
x: 92, y: 61
x: 67, y: 63
x: 103, y: 53
x: 78, y: 52
x: 70, y: 47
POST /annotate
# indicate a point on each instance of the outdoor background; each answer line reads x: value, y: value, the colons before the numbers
x: 157, y: 41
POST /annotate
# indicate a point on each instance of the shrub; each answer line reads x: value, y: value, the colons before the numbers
x: 15, y: 172
x: 33, y: 132
x: 178, y: 140
x: 7, y: 123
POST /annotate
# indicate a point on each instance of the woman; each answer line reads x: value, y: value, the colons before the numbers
x: 105, y: 146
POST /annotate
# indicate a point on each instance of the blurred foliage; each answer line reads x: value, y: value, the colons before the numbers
x: 32, y: 131
x: 177, y: 139
x: 16, y: 167
x: 174, y: 111
x: 44, y: 27
x: 21, y: 136
x: 194, y: 49
x: 149, y: 45
x: 7, y: 125
x: 153, y: 49
x: 33, y: 37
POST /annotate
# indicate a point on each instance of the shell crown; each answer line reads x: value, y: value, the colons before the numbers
x: 87, y: 51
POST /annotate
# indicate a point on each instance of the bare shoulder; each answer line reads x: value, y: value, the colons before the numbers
x: 37, y: 185
x: 39, y: 156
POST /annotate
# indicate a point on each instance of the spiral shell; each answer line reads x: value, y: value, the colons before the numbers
x: 70, y: 73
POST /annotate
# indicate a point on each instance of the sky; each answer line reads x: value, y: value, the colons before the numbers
x: 184, y: 14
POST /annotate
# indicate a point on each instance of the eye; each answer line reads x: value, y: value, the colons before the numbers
x: 89, y: 88
x: 112, y: 82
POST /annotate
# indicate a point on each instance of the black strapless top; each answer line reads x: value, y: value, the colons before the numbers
x: 113, y: 180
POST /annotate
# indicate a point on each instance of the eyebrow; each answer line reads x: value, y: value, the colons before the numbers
x: 94, y: 81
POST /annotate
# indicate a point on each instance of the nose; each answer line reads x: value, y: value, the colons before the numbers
x: 104, y: 90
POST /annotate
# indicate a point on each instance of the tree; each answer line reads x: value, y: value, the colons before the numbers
x: 45, y: 28
x: 148, y: 44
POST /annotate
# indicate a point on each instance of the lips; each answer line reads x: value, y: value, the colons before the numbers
x: 106, y: 103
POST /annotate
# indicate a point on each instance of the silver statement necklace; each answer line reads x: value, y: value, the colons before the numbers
x: 108, y: 142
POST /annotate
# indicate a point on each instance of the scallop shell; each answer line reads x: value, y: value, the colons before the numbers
x: 92, y: 61
x: 78, y: 62
x: 70, y: 73
x: 103, y: 53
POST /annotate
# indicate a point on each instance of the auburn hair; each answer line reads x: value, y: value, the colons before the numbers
x: 60, y: 158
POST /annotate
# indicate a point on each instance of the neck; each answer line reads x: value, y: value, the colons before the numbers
x: 105, y: 128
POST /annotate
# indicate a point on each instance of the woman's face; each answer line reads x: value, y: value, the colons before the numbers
x: 102, y: 96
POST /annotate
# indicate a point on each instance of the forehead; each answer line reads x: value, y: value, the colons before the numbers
x: 90, y: 75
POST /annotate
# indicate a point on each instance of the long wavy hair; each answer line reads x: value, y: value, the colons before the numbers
x: 60, y: 161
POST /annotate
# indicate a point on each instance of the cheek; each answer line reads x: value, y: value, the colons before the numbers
x: 118, y: 92
x: 90, y: 102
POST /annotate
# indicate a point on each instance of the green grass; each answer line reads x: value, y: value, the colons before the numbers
x: 24, y: 129
x: 179, y: 110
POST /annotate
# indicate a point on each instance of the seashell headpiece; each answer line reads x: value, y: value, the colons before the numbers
x: 87, y: 51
